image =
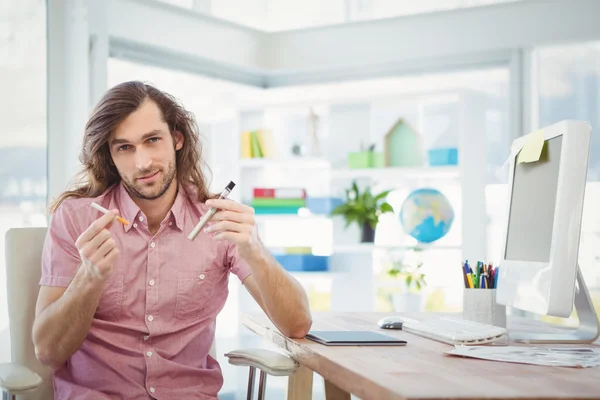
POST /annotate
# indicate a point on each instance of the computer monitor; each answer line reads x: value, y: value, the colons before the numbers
x: 539, y: 267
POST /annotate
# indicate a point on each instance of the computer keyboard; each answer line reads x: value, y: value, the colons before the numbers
x: 455, y: 331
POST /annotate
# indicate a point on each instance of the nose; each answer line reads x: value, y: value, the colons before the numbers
x: 142, y: 160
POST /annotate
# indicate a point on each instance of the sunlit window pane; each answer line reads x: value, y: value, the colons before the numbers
x: 23, y: 129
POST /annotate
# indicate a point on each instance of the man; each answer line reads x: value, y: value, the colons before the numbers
x: 128, y: 311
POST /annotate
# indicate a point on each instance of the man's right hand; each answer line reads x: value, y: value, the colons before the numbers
x: 97, y: 247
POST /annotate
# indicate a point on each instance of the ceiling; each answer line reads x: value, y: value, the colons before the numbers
x: 282, y: 15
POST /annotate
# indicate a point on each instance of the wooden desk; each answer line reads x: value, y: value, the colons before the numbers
x: 419, y: 370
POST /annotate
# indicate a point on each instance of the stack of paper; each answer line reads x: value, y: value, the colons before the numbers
x: 548, y: 356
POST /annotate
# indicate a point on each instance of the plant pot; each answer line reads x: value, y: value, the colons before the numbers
x: 408, y: 302
x: 367, y: 234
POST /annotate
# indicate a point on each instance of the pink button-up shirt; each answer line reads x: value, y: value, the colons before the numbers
x: 155, y: 323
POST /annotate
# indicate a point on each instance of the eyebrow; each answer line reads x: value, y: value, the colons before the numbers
x: 146, y: 136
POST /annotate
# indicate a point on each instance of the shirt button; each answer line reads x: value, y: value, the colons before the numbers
x: 141, y: 218
x: 151, y: 390
x: 151, y: 282
x: 152, y: 244
x: 149, y: 354
x: 201, y: 276
x: 146, y: 337
x: 134, y: 225
x: 150, y: 318
x: 170, y: 223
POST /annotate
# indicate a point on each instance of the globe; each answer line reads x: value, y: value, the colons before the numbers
x: 426, y: 215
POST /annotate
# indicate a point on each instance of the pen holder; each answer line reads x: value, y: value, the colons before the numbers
x: 479, y: 305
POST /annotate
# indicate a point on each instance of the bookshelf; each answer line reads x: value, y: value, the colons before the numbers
x: 397, y: 173
x: 341, y: 173
x: 279, y: 163
x: 342, y: 127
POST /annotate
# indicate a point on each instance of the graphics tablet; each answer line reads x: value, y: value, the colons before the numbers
x: 353, y: 338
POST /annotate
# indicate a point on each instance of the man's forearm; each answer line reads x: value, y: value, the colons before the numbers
x: 61, y: 328
x: 283, y: 297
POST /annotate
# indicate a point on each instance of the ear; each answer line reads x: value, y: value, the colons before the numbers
x: 178, y: 139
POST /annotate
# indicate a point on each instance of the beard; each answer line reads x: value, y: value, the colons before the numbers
x: 154, y: 190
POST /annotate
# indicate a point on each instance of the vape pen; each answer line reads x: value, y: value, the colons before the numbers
x: 206, y: 217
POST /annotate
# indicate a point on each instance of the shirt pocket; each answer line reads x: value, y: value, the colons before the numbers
x: 194, y: 290
x: 111, y: 302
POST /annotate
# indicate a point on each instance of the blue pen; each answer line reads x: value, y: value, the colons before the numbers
x: 496, y: 277
x: 465, y: 272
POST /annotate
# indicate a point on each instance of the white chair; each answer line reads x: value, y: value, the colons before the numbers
x: 26, y: 377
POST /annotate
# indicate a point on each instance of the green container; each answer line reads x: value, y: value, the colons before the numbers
x: 360, y: 159
x: 366, y: 159
x: 377, y: 160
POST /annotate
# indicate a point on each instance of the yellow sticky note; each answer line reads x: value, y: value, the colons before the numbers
x: 532, y: 149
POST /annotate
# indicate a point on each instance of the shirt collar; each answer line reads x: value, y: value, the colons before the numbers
x: 178, y: 208
x: 129, y: 210
x: 127, y: 207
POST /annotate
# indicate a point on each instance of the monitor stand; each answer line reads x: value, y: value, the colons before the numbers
x: 587, y: 331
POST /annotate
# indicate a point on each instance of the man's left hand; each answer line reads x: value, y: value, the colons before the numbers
x: 234, y: 222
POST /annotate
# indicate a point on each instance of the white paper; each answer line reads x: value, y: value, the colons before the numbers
x: 580, y: 357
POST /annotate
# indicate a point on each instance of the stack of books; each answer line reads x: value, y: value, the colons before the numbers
x: 258, y: 144
x: 278, y: 200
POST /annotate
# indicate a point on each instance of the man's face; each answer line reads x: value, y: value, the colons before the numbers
x: 143, y: 151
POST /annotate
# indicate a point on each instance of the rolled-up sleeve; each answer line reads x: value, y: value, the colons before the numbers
x: 60, y: 258
x: 237, y: 265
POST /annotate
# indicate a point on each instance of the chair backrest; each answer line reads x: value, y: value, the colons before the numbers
x: 23, y: 270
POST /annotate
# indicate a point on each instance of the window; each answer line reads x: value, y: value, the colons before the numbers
x: 23, y: 131
x: 569, y: 88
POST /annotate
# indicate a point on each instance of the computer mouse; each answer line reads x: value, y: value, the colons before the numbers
x: 390, y: 323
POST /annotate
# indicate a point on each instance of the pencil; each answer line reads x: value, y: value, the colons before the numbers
x: 104, y: 210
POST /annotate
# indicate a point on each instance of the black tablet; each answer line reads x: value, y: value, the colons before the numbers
x: 353, y: 338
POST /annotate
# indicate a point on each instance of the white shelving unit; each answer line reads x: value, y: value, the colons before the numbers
x: 396, y: 173
x: 291, y: 162
x: 342, y: 126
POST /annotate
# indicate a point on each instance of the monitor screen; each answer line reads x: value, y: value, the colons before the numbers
x: 531, y: 213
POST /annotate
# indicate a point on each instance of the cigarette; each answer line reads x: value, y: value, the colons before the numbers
x: 206, y: 217
x: 104, y: 210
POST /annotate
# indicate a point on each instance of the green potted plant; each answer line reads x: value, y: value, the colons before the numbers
x: 413, y: 278
x: 408, y: 271
x: 363, y: 208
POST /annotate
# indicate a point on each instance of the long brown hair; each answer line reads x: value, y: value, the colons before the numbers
x: 99, y: 172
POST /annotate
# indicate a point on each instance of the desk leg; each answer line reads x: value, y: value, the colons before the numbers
x: 333, y: 392
x: 300, y: 384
